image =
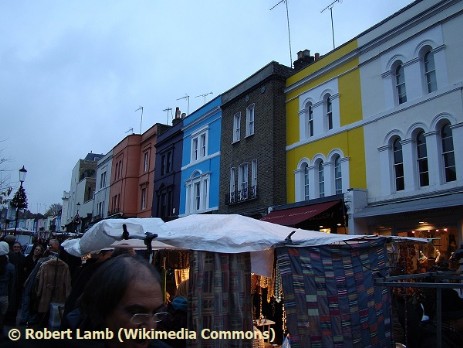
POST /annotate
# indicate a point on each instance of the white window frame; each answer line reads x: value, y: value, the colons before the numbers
x: 199, y: 146
x: 446, y: 153
x: 146, y: 162
x: 328, y: 108
x: 306, y: 181
x: 421, y: 159
x: 237, y: 127
x: 254, y: 178
x: 429, y: 67
x: 197, y: 193
x: 321, y: 178
x: 250, y: 119
x: 243, y: 181
x: 103, y: 180
x: 398, y: 165
x: 337, y: 168
x: 232, y: 185
x: 399, y: 82
x: 309, y: 121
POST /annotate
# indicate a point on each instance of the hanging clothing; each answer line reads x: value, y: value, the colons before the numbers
x: 53, y: 283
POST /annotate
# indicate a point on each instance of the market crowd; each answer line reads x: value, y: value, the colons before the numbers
x: 112, y: 288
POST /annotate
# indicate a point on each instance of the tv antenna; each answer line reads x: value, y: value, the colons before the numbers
x: 187, y: 97
x: 330, y: 7
x: 141, y: 116
x: 167, y: 114
x: 289, y: 31
x: 204, y: 96
x: 130, y: 130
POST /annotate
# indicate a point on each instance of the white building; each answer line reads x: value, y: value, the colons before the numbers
x: 412, y: 84
x: 82, y: 188
x: 103, y: 181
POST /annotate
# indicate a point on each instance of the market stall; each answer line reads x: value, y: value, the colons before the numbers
x: 324, y: 281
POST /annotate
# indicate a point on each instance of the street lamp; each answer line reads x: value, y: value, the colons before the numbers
x: 77, y: 218
x: 21, y: 200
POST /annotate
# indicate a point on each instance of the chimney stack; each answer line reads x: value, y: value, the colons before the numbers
x: 303, y: 59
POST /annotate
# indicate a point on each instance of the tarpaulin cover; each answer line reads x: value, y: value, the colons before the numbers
x: 106, y: 232
x: 330, y: 297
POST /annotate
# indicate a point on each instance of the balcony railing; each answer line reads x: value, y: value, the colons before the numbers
x: 239, y: 196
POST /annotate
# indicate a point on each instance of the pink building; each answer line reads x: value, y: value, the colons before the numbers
x: 132, y: 177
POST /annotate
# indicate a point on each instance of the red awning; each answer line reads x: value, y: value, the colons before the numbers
x: 294, y: 216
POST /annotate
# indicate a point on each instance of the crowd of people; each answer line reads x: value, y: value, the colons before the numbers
x: 113, y: 289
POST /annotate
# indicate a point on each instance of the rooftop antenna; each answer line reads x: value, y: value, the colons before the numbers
x: 204, y: 96
x: 167, y: 114
x: 141, y: 116
x: 330, y: 6
x: 289, y: 32
x: 187, y: 97
x: 130, y: 130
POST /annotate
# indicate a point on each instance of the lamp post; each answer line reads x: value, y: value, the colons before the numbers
x: 20, y: 204
x: 77, y: 217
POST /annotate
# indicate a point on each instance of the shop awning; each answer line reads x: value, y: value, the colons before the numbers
x: 294, y: 216
x: 450, y: 199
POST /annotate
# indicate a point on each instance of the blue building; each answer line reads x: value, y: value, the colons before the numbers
x: 201, y: 159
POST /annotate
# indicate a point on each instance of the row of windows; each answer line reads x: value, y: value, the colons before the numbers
x: 311, y: 180
x: 240, y: 189
x: 197, y: 193
x: 428, y: 75
x: 420, y: 155
x: 250, y: 123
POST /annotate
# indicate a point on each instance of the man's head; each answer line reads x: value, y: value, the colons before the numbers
x: 17, y: 247
x: 53, y: 245
x: 124, y: 292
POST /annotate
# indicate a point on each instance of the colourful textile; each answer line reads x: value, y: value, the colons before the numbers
x: 330, y: 297
x: 219, y: 298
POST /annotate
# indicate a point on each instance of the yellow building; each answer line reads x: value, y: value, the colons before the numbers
x: 324, y: 140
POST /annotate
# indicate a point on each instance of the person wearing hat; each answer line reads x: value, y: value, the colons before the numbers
x: 7, y: 282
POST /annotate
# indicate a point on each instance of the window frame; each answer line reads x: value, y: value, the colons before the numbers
x: 250, y: 120
x: 321, y: 178
x: 447, y: 154
x: 399, y: 83
x: 328, y: 106
x: 337, y: 171
x: 422, y: 165
x: 199, y: 146
x: 237, y: 127
x: 398, y: 164
x: 429, y: 66
x: 243, y: 181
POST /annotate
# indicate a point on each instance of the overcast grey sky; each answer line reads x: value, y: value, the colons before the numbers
x: 72, y: 73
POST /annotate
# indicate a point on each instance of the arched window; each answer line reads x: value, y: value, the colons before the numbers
x: 309, y: 122
x: 329, y: 112
x: 422, y: 159
x: 306, y: 181
x: 448, y: 156
x: 321, y: 180
x: 398, y: 165
x: 400, y: 84
x: 337, y: 175
x: 430, y: 71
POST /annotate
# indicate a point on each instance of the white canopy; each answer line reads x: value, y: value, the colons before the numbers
x: 233, y: 233
x: 224, y: 233
x: 104, y: 233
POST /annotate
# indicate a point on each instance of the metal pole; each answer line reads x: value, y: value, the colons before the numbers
x: 17, y: 214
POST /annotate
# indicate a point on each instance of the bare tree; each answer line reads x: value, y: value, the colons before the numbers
x: 54, y: 210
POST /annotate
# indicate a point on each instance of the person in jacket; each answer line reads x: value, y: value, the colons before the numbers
x: 16, y: 257
x: 33, y: 258
x: 7, y: 282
